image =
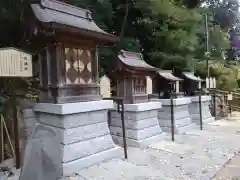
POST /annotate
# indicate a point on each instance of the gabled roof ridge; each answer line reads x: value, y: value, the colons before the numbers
x: 164, y: 71
x: 59, y: 15
x: 134, y: 54
x: 134, y: 60
x: 66, y: 8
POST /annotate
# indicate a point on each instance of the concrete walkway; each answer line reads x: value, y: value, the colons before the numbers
x: 196, y: 155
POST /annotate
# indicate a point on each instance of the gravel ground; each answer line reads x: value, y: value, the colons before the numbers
x: 196, y: 155
x: 210, y: 154
x: 230, y: 171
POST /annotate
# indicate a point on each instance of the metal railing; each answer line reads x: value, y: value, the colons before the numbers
x: 225, y: 105
x: 119, y: 109
x: 172, y: 117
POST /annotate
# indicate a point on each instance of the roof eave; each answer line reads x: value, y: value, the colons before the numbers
x: 102, y: 37
x: 139, y: 68
x: 196, y: 78
x: 170, y: 79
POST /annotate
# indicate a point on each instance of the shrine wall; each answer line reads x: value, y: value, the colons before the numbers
x: 105, y: 86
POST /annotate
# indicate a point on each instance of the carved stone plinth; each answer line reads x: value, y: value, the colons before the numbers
x: 195, y: 111
x: 141, y: 124
x: 84, y: 133
x: 182, y: 119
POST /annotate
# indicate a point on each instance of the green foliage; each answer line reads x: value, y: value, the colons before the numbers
x: 226, y: 75
x: 101, y: 9
x: 225, y: 12
x: 3, y: 100
x: 12, y: 22
x: 171, y: 33
x: 218, y: 37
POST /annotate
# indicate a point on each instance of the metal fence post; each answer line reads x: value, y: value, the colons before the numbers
x: 121, y: 110
x: 109, y: 118
x: 214, y: 104
x: 225, y: 103
x: 221, y: 113
x: 172, y: 115
x: 230, y: 107
x: 200, y: 109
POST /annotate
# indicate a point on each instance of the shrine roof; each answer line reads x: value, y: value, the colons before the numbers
x: 56, y: 12
x: 191, y: 76
x: 167, y: 74
x: 134, y: 60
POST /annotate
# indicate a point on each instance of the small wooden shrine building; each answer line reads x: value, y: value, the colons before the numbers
x: 163, y: 83
x: 190, y: 83
x: 131, y: 71
x: 68, y: 55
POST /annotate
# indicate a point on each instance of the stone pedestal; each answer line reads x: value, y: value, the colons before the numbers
x: 195, y: 112
x: 84, y: 132
x: 141, y: 124
x: 182, y: 119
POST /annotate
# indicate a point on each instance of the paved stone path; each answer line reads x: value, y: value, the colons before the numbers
x: 195, y: 155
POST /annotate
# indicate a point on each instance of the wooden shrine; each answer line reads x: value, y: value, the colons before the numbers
x: 190, y: 83
x: 131, y: 75
x: 68, y: 56
x: 164, y: 83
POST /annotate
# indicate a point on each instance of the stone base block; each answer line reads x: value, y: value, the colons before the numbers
x: 75, y: 166
x: 139, y: 143
x: 83, y: 131
x: 182, y: 119
x: 141, y: 124
x: 209, y: 120
x: 196, y: 119
x: 180, y: 130
x: 194, y: 109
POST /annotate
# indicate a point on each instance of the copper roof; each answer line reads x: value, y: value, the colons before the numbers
x: 167, y: 74
x: 134, y: 60
x: 52, y: 11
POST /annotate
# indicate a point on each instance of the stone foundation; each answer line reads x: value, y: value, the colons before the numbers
x: 141, y: 124
x: 182, y: 119
x: 84, y: 132
x: 26, y: 126
x: 195, y: 112
x: 30, y: 120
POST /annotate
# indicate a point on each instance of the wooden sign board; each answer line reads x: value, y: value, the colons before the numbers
x: 15, y: 63
x: 105, y: 87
